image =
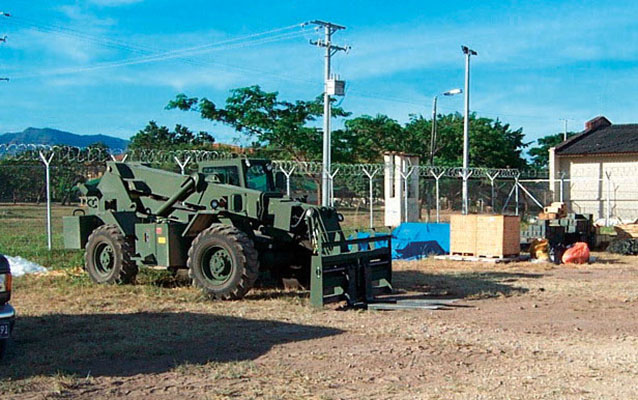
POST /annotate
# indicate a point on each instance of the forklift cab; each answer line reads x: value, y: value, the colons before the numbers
x: 256, y: 174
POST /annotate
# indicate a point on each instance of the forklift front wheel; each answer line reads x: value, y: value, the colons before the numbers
x: 223, y: 262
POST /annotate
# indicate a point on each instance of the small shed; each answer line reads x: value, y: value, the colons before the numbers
x: 599, y: 170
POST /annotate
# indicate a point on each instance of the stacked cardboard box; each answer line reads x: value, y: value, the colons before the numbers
x: 570, y: 229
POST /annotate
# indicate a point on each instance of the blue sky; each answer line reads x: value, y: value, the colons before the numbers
x: 85, y: 66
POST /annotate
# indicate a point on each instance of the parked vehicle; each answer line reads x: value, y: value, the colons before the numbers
x: 224, y: 224
x: 7, y: 313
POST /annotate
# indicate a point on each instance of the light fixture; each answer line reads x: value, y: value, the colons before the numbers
x: 452, y: 92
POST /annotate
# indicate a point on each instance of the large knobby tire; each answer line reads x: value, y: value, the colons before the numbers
x: 108, y: 256
x: 223, y: 262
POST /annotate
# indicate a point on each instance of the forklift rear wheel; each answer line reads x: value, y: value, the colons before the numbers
x: 223, y: 262
x: 108, y: 256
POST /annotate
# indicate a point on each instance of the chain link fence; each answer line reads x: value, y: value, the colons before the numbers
x: 356, y: 189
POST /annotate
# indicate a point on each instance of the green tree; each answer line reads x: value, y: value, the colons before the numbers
x: 366, y: 138
x: 493, y: 144
x: 540, y: 153
x: 279, y: 127
x: 154, y: 136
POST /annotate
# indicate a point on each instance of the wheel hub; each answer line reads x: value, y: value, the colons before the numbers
x: 104, y: 258
x: 217, y: 266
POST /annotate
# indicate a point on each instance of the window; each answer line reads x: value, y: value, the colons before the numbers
x: 258, y: 177
x: 226, y: 175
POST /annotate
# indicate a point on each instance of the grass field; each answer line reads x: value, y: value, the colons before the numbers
x: 521, y: 331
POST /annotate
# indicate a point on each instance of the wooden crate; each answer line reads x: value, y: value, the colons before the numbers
x: 492, y: 236
x: 463, y: 234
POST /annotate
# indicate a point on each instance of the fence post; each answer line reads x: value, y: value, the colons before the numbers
x: 608, y: 215
x: 182, y: 166
x: 370, y: 176
x: 47, y: 164
x: 491, y: 178
x: 562, y: 186
x: 516, y: 194
x: 405, y: 176
x: 287, y: 175
x: 331, y: 188
x: 438, y: 200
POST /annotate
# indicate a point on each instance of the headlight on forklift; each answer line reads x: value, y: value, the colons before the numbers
x: 5, y: 282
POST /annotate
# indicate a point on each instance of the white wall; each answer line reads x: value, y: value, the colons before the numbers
x: 590, y: 186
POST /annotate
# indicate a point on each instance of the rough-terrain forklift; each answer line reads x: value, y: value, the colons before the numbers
x: 224, y: 224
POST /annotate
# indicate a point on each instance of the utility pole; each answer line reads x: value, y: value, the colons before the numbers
x: 331, y: 49
x: 433, y: 134
x: 565, y: 128
x: 466, y: 126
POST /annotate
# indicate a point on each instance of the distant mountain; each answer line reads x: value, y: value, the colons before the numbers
x: 53, y: 136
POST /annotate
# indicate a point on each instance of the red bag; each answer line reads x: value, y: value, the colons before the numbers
x: 577, y: 254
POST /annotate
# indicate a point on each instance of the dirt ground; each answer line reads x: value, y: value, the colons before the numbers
x: 528, y: 331
x: 520, y: 331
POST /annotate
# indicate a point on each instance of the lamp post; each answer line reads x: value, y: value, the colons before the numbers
x: 466, y: 126
x: 451, y: 92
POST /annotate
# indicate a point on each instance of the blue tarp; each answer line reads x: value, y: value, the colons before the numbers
x: 414, y: 240
x: 366, y: 246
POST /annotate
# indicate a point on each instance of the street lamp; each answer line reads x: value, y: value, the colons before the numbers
x: 466, y: 126
x: 451, y: 92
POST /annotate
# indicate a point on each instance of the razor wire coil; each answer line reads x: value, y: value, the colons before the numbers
x: 88, y: 155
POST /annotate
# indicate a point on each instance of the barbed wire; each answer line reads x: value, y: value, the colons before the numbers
x: 315, y: 167
x: 76, y: 154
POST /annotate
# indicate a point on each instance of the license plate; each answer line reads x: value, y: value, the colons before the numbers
x: 4, y: 330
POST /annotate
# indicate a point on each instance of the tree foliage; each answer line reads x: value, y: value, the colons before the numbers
x: 492, y: 143
x: 540, y: 153
x: 278, y: 126
x: 154, y: 136
x: 288, y: 130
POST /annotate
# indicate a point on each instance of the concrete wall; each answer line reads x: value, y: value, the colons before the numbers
x: 599, y: 185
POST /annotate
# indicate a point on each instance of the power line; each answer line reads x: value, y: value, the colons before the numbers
x: 107, y: 41
x: 233, y: 43
x: 176, y: 54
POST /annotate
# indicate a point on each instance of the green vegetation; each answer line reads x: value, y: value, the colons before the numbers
x: 23, y: 233
x: 540, y: 153
x: 287, y: 130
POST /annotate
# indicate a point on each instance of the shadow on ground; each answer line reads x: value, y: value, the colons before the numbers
x: 461, y: 285
x: 140, y: 343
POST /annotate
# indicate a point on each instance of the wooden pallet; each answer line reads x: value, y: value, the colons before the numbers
x: 474, y: 258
